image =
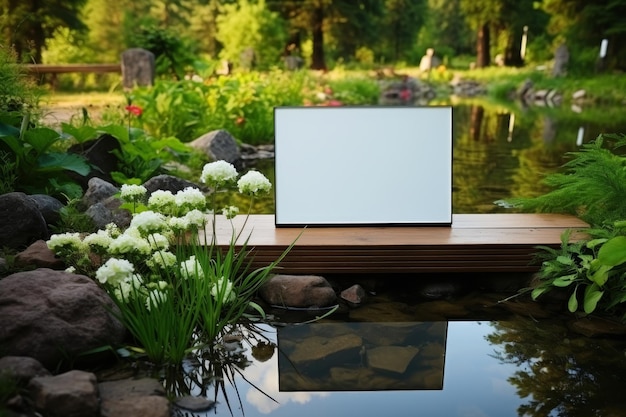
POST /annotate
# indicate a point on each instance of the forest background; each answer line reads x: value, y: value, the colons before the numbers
x: 196, y: 35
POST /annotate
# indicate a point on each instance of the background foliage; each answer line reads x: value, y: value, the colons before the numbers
x: 324, y: 32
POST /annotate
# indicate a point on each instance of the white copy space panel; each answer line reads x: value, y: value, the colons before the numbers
x: 363, y: 165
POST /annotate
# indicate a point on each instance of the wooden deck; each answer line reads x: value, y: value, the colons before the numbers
x: 474, y: 243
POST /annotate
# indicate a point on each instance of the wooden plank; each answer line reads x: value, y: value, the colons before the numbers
x: 474, y: 243
x: 72, y: 68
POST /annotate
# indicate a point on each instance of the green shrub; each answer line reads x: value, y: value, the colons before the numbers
x: 592, y: 186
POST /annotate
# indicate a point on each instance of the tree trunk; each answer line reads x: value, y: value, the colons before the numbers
x: 318, y: 61
x: 483, y: 57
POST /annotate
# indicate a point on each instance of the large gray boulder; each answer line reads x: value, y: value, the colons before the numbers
x: 218, y: 145
x: 21, y: 221
x: 53, y: 316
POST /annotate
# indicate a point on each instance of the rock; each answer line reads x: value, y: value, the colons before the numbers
x: 298, y: 291
x: 194, y: 403
x: 354, y: 296
x: 167, y: 183
x: 72, y: 394
x: 316, y: 348
x: 218, y: 145
x: 143, y: 397
x: 594, y: 327
x: 39, y: 255
x: 21, y: 222
x: 48, y: 206
x: 98, y: 190
x: 22, y: 368
x: 138, y: 68
x: 109, y: 211
x: 53, y: 316
x: 395, y: 359
x: 99, y: 154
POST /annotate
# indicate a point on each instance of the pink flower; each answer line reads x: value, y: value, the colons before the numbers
x: 333, y: 103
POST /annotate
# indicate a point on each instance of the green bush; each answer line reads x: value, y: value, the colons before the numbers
x: 592, y: 186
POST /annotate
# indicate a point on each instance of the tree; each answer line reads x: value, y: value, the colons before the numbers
x: 445, y: 27
x: 583, y: 25
x: 251, y: 34
x: 401, y: 23
x: 27, y: 24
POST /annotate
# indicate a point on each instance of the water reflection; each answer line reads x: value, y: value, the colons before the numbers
x: 504, y: 364
x: 362, y: 356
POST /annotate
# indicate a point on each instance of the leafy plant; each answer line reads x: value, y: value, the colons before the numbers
x: 39, y: 163
x: 592, y: 187
x: 175, y: 287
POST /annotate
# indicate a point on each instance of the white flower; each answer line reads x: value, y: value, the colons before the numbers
x: 65, y: 242
x: 196, y: 218
x: 191, y: 268
x: 178, y: 224
x: 70, y: 270
x: 191, y: 198
x: 148, y: 222
x: 113, y: 230
x: 223, y: 291
x: 162, y: 259
x: 127, y: 243
x: 132, y: 192
x: 230, y: 211
x: 157, y: 241
x: 162, y: 200
x: 127, y: 288
x: 115, y: 271
x: 154, y: 298
x: 218, y: 173
x: 99, y: 240
x: 254, y: 183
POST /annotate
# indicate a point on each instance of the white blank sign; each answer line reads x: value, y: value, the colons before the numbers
x: 363, y: 166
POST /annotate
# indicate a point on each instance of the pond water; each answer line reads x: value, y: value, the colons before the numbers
x: 467, y: 354
x: 501, y: 152
x: 471, y: 354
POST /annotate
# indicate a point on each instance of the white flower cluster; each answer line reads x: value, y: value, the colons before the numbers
x: 115, y: 271
x: 192, y: 268
x: 145, y: 244
x: 162, y: 201
x: 132, y: 192
x: 218, y: 173
x: 254, y: 183
x: 222, y: 291
x: 148, y: 222
x: 65, y: 242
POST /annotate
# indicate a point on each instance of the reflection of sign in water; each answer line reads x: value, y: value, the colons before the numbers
x: 362, y: 356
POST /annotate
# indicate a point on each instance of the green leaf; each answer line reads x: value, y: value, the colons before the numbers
x: 120, y: 132
x: 592, y: 297
x: 41, y: 138
x: 564, y: 281
x: 80, y: 134
x: 565, y: 260
x: 8, y: 130
x: 63, y: 161
x: 595, y: 242
x: 572, y: 303
x: 601, y: 275
x: 538, y: 291
x: 613, y: 252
